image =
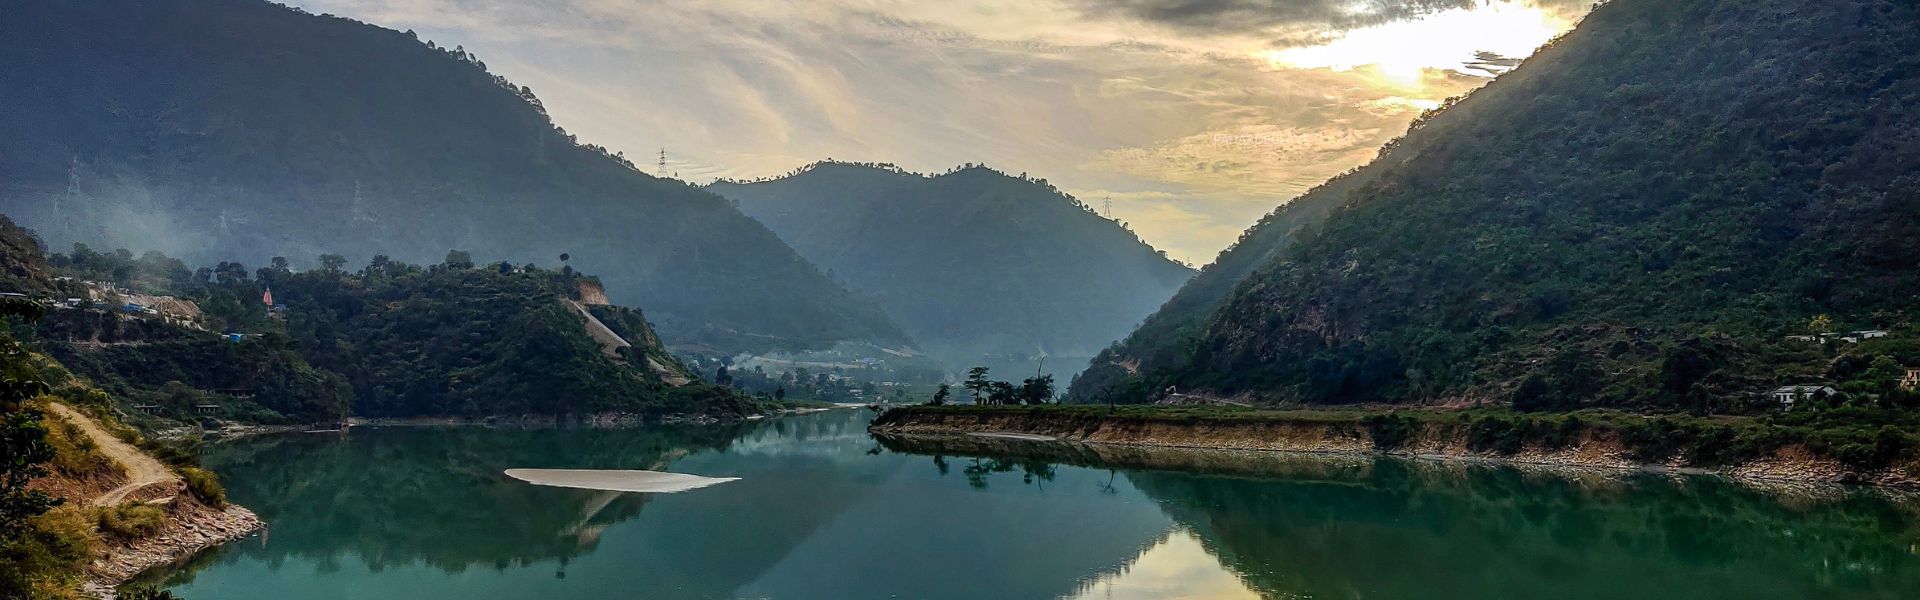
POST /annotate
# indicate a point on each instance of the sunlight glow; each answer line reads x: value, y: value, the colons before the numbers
x: 1401, y: 54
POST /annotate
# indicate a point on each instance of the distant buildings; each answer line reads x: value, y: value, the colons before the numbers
x: 1851, y: 337
x: 1911, y: 381
x: 1788, y: 395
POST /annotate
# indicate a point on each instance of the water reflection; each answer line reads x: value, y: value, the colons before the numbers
x: 822, y: 510
x: 1320, y: 526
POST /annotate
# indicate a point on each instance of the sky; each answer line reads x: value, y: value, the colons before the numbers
x: 1194, y: 117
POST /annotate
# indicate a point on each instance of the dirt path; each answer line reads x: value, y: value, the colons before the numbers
x: 142, y: 470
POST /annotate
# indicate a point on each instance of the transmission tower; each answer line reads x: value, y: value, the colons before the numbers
x: 663, y: 162
x: 1109, y: 207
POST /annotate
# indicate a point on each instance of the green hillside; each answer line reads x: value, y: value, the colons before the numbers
x: 1639, y: 216
x: 240, y: 129
x: 969, y: 262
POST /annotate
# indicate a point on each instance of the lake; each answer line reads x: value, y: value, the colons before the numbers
x: 823, y: 510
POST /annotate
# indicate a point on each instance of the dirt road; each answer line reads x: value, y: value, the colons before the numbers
x: 142, y: 470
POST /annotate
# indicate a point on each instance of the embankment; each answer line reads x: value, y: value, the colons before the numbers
x: 1739, y: 449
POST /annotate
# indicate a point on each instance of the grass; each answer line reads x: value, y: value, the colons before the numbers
x: 205, y: 486
x: 132, y: 520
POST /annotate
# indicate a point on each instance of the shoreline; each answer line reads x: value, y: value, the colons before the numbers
x: 192, y: 529
x: 1791, y: 466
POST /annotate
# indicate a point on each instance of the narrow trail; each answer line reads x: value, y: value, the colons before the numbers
x: 142, y: 470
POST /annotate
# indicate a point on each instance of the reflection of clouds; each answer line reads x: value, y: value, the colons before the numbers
x: 1177, y: 567
x: 1186, y: 97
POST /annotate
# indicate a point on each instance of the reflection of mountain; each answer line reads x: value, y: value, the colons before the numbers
x: 1416, y: 530
x: 1309, y: 526
x: 394, y: 496
x: 426, y: 513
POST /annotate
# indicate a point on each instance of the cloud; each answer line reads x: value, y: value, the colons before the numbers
x: 1178, y: 109
x: 1290, y: 22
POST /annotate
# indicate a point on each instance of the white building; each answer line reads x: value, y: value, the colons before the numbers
x: 1788, y: 395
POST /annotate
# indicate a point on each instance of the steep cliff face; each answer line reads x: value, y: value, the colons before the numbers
x: 1638, y: 216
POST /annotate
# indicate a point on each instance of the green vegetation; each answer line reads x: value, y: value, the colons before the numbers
x: 970, y: 261
x: 1637, y: 218
x: 389, y: 340
x: 132, y: 520
x: 1696, y: 441
x: 204, y: 486
x: 42, y: 548
x: 1033, y: 391
x: 167, y: 126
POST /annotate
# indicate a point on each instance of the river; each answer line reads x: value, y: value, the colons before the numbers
x: 823, y: 510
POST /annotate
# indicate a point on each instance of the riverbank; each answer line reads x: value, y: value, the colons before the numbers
x: 191, y: 528
x: 1743, y: 449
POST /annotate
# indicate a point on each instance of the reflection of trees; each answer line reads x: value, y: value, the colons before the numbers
x: 1419, y: 530
x: 1316, y: 526
x: 399, y: 496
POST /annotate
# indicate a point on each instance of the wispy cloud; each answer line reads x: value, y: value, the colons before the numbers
x: 1197, y: 116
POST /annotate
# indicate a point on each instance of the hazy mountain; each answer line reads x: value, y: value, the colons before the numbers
x: 972, y: 261
x: 1638, y: 216
x: 240, y: 129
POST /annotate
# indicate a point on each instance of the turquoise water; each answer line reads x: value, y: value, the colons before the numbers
x: 825, y: 511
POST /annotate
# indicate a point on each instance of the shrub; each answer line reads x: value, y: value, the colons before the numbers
x: 1497, y: 435
x: 205, y: 486
x: 133, y: 520
x: 74, y: 454
x: 1389, y: 431
x: 147, y: 593
x: 1562, y: 434
x: 49, y: 555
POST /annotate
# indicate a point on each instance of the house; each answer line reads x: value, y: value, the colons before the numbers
x: 1911, y: 381
x: 1787, y: 395
x: 1855, y: 337
x: 206, y: 409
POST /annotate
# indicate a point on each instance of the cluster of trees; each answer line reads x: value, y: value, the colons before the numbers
x: 388, y: 339
x: 801, y: 383
x: 1034, y: 390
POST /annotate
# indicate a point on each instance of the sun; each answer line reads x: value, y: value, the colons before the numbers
x: 1398, y: 54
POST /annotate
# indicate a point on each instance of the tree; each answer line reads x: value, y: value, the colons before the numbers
x: 722, y: 378
x: 1001, y: 392
x: 1037, y: 390
x: 332, y: 263
x: 780, y: 393
x: 1820, y: 325
x: 459, y: 259
x: 23, y: 436
x: 976, y: 382
x: 940, y: 395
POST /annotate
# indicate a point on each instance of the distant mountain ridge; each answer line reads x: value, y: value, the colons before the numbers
x: 1641, y: 215
x: 968, y: 262
x: 240, y: 129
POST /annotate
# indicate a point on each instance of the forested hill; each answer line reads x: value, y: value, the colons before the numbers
x: 971, y: 261
x: 240, y: 129
x: 1638, y: 216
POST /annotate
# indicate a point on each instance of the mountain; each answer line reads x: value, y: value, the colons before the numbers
x: 969, y: 262
x: 1639, y: 216
x: 240, y: 129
